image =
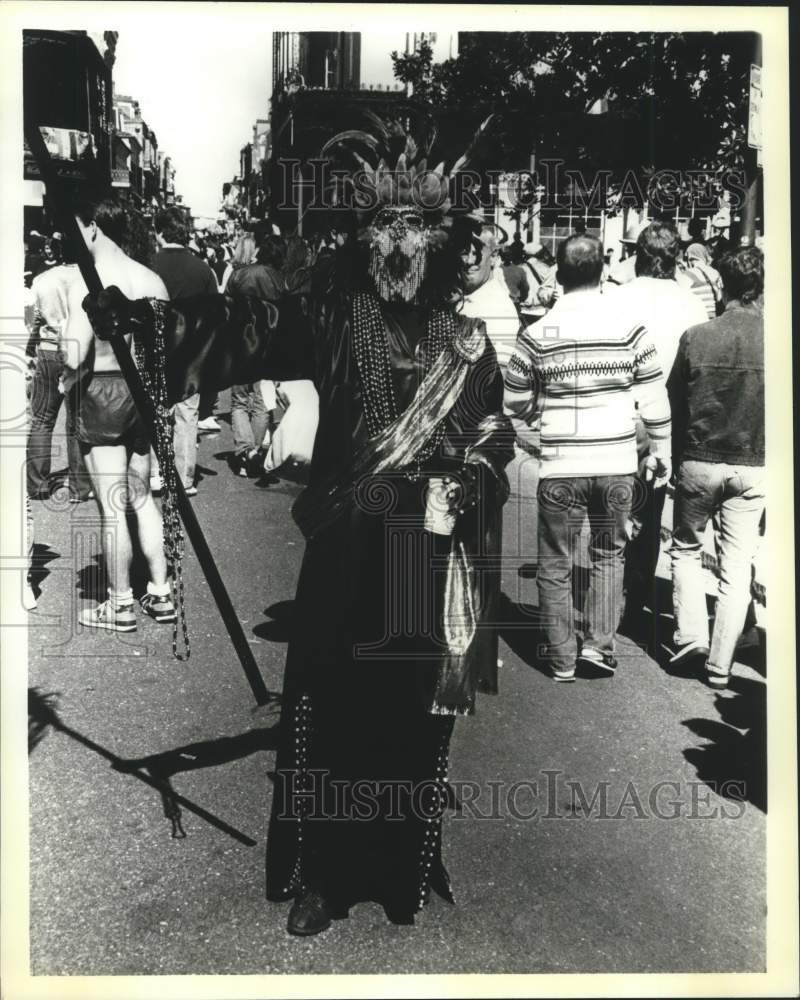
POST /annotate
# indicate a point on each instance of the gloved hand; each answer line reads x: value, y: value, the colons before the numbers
x: 113, y: 314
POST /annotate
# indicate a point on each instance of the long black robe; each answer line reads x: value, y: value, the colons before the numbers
x: 362, y: 762
x: 366, y: 645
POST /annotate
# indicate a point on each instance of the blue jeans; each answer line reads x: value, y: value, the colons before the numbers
x: 45, y: 402
x: 735, y: 494
x: 564, y: 504
x: 185, y: 438
x: 249, y: 417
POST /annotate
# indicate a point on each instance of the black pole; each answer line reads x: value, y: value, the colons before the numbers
x: 750, y: 208
x: 85, y: 262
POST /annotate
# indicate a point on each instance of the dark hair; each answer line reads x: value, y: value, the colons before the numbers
x: 172, y: 225
x: 108, y: 214
x: 742, y: 274
x: 696, y: 227
x: 580, y: 261
x: 657, y: 251
x: 272, y: 252
x: 139, y: 240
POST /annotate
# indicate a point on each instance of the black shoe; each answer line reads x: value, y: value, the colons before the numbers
x: 309, y: 914
x: 595, y: 662
x: 688, y: 656
x: 254, y: 464
x: 633, y: 624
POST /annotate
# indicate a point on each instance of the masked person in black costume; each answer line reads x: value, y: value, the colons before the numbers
x: 397, y: 598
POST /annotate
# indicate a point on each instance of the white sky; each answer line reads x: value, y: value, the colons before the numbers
x: 201, y: 83
x: 200, y: 89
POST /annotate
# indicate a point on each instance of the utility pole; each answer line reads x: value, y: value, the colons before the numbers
x: 747, y: 232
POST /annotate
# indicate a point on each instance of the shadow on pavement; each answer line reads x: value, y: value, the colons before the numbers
x: 280, y: 628
x: 653, y: 632
x: 92, y: 580
x: 520, y: 629
x: 733, y: 761
x: 42, y: 555
x: 156, y: 770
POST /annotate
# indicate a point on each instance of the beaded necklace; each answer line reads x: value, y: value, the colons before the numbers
x: 374, y: 366
x: 154, y: 379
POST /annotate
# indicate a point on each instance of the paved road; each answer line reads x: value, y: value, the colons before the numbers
x: 666, y: 874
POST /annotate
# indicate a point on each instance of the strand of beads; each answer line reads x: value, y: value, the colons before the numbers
x: 374, y: 366
x: 153, y: 371
x: 440, y: 333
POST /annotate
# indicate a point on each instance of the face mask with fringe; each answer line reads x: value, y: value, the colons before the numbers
x: 403, y: 206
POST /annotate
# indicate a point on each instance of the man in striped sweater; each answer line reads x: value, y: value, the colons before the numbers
x: 582, y: 369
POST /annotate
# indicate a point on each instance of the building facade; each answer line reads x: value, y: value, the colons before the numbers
x: 323, y: 82
x: 98, y: 137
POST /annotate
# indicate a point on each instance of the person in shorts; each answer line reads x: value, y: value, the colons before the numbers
x: 112, y: 438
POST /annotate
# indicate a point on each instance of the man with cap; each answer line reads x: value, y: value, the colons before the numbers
x: 667, y: 310
x: 625, y: 269
x: 486, y: 297
x: 719, y: 244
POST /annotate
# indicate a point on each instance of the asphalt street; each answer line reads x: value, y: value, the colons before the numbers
x: 611, y: 825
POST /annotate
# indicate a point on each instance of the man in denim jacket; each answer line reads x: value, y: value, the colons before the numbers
x: 716, y: 391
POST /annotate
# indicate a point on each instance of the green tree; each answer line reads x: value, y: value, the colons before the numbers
x: 674, y: 100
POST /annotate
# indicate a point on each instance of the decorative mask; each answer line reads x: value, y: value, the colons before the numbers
x: 398, y: 243
x: 403, y: 208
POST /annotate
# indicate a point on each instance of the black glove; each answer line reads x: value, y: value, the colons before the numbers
x: 112, y: 314
x: 467, y: 488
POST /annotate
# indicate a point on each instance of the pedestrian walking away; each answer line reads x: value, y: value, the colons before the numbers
x: 113, y: 440
x: 583, y: 376
x: 719, y: 451
x: 667, y: 310
x: 50, y: 290
x: 183, y: 274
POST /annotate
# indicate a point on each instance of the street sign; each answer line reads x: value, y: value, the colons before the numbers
x: 754, y: 109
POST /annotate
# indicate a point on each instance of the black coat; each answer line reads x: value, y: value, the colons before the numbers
x: 366, y: 650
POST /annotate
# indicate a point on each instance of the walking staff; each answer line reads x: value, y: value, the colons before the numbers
x: 68, y: 225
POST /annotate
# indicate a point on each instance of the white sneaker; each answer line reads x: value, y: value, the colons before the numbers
x: 208, y: 425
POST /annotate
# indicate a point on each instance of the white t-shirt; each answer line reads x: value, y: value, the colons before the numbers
x: 665, y: 308
x: 492, y: 303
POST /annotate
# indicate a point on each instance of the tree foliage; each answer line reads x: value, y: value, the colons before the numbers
x: 674, y: 100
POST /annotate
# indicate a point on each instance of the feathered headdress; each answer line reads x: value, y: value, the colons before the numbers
x: 384, y: 165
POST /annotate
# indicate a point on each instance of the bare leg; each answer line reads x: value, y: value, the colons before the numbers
x: 148, y: 515
x: 108, y: 467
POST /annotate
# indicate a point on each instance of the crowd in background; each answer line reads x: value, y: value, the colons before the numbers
x: 669, y: 283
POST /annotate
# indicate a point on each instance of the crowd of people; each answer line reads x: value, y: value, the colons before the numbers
x: 425, y: 368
